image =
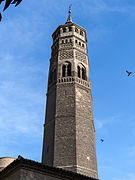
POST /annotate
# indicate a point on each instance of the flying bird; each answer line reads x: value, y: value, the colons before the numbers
x: 128, y: 72
x: 102, y: 140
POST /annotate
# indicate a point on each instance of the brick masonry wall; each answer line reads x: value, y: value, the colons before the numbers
x: 85, y: 134
x: 48, y: 141
x: 65, y: 127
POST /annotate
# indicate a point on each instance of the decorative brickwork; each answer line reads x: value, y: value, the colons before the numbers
x: 80, y: 56
x: 68, y: 54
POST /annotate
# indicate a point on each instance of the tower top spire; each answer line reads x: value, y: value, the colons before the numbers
x: 69, y: 20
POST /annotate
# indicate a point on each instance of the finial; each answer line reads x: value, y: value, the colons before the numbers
x: 69, y: 20
x: 69, y: 11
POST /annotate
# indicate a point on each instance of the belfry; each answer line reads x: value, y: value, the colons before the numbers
x: 69, y: 133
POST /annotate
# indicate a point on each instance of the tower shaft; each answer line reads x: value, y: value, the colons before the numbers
x: 69, y: 133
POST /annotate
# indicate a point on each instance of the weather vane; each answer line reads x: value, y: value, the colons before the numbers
x: 70, y: 8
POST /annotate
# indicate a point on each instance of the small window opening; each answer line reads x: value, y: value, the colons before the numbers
x: 81, y: 33
x: 70, y: 28
x: 64, y: 30
x: 66, y: 41
x: 63, y: 71
x: 76, y: 41
x: 69, y: 70
x: 83, y: 73
x: 70, y: 40
x: 80, y: 43
x: 78, y: 69
x: 62, y: 41
x: 76, y: 30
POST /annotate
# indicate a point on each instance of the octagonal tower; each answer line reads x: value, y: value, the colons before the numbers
x: 69, y: 133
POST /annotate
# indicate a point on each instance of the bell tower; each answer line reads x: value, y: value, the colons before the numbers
x: 69, y: 133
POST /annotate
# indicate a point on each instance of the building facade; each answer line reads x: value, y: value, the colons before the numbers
x: 69, y: 133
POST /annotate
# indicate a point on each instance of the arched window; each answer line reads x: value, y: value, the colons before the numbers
x: 83, y: 74
x: 64, y: 30
x: 62, y: 41
x: 81, y: 71
x: 69, y: 69
x: 81, y: 33
x: 63, y: 70
x: 66, y: 41
x: 70, y: 40
x: 80, y: 43
x: 70, y: 28
x: 66, y: 69
x: 76, y: 30
x: 78, y: 71
x: 75, y: 41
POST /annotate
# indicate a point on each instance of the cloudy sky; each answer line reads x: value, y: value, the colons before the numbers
x: 25, y: 49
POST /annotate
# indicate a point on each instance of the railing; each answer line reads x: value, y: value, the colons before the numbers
x: 72, y: 79
x: 65, y: 79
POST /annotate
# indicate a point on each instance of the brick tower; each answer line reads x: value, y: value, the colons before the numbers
x: 69, y: 133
